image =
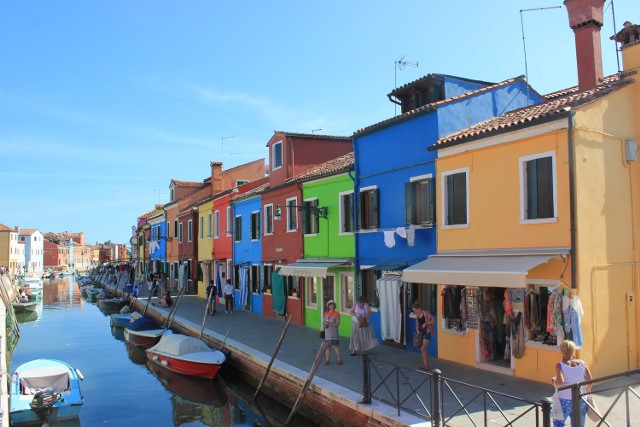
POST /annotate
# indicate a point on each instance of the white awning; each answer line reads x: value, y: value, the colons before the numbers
x: 502, y: 269
x: 309, y: 268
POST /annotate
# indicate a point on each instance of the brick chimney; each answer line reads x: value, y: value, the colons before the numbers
x: 585, y: 19
x: 216, y: 177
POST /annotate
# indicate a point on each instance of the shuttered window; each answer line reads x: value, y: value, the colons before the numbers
x: 539, y: 184
x: 368, y: 212
x: 419, y: 197
x: 456, y: 200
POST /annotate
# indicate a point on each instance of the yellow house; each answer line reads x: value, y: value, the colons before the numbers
x: 538, y: 236
x: 9, y: 249
x: 205, y: 244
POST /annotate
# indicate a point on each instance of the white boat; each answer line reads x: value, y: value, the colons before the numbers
x: 43, y: 391
x: 186, y: 355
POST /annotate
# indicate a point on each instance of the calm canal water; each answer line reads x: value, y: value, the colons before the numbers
x: 119, y: 388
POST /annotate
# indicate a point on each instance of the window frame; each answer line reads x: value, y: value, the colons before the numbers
x: 524, y: 208
x: 312, y: 288
x: 342, y: 214
x: 237, y: 228
x: 292, y: 214
x: 373, y: 192
x: 229, y: 222
x: 254, y: 224
x: 189, y: 230
x: 180, y: 232
x: 414, y: 214
x: 310, y: 218
x: 209, y: 225
x: 216, y: 224
x: 268, y: 219
x: 274, y: 150
x: 201, y: 230
x: 445, y: 198
x: 345, y: 302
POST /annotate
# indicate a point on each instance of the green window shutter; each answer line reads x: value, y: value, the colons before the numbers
x: 375, y: 223
x: 361, y: 210
x: 409, y: 203
x: 431, y: 198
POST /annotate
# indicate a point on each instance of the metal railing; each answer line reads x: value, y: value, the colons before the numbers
x: 606, y: 409
x: 445, y: 401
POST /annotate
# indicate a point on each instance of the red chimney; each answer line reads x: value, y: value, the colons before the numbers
x: 585, y: 19
x: 216, y: 177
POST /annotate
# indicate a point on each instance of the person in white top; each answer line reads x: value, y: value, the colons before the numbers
x: 228, y: 297
x: 570, y: 371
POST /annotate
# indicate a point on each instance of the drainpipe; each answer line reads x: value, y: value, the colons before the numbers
x: 572, y: 199
x: 356, y: 261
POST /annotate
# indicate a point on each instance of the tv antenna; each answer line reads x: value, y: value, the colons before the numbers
x: 524, y: 45
x: 400, y: 64
x: 222, y: 138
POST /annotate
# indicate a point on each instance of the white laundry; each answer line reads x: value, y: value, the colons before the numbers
x: 390, y: 311
x: 389, y: 239
x: 411, y: 236
x: 400, y: 231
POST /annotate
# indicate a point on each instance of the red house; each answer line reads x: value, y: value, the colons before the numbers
x: 289, y: 155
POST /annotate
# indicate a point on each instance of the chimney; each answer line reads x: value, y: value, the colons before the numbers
x: 627, y: 37
x: 216, y: 177
x: 585, y: 19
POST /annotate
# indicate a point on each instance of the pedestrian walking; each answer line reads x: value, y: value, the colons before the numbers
x: 424, y: 332
x: 331, y: 334
x: 362, y: 336
x: 229, y: 290
x: 211, y: 298
x: 569, y: 371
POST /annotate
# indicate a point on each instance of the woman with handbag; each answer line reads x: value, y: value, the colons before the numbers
x: 362, y: 336
x: 424, y: 333
x: 569, y: 371
x: 331, y: 334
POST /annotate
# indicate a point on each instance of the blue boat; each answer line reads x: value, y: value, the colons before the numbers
x: 43, y: 391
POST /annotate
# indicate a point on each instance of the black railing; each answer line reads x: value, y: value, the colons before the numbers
x: 433, y: 397
x: 606, y: 409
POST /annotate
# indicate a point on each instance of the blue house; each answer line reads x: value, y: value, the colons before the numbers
x: 247, y: 249
x: 158, y: 241
x: 395, y: 189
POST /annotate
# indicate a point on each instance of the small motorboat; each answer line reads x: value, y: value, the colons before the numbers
x: 22, y: 307
x: 92, y: 294
x: 144, y: 332
x: 123, y: 320
x: 43, y: 391
x: 186, y: 355
x: 111, y: 304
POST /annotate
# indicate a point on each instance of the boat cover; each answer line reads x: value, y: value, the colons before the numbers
x: 178, y: 345
x: 143, y: 324
x: 38, y: 379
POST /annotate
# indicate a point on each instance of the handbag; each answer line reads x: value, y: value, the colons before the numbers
x: 322, y: 334
x: 417, y: 339
x: 556, y: 407
x: 362, y: 322
x: 592, y: 410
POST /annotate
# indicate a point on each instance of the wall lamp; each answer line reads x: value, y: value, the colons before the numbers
x: 319, y: 211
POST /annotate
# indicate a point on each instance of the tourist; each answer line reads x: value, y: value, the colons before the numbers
x: 424, y: 330
x: 331, y: 333
x: 211, y: 298
x: 166, y: 300
x: 362, y: 336
x: 569, y: 371
x: 228, y: 297
x: 163, y: 282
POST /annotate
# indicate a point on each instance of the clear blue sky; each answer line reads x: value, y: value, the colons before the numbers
x: 102, y: 103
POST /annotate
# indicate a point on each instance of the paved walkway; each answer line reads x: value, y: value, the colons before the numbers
x: 257, y: 336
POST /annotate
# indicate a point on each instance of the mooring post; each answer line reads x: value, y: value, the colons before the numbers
x: 436, y: 420
x: 546, y: 403
x: 366, y: 380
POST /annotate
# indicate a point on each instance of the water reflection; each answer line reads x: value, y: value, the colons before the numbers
x: 136, y: 354
x: 27, y: 317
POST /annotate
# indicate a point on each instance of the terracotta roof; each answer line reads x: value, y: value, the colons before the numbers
x: 575, y: 89
x: 435, y: 105
x: 250, y: 193
x: 147, y: 215
x: 536, y: 113
x: 332, y: 167
x: 5, y: 228
x: 27, y: 231
x: 314, y: 136
x: 189, y: 184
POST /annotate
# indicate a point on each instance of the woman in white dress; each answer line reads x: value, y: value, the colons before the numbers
x: 362, y: 336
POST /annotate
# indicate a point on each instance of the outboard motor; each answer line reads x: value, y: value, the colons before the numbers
x: 42, y: 404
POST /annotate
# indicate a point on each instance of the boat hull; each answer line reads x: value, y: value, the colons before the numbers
x: 184, y: 367
x: 23, y: 307
x: 144, y: 338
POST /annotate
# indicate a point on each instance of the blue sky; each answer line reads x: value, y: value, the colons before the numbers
x: 103, y: 103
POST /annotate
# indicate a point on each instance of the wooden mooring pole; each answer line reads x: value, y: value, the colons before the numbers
x: 273, y: 356
x: 303, y: 392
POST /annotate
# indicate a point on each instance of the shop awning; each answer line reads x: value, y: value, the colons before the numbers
x: 385, y: 267
x: 303, y: 268
x: 503, y: 269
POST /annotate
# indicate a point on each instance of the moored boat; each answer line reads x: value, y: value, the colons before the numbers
x: 43, y: 391
x: 21, y: 307
x: 122, y: 320
x: 144, y: 332
x: 186, y: 355
x: 111, y: 304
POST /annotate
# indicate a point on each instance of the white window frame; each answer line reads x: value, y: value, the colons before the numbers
x: 311, y: 216
x: 254, y: 214
x: 309, y: 283
x: 180, y: 232
x: 444, y: 196
x: 235, y: 221
x: 343, y: 292
x: 209, y: 225
x: 201, y: 231
x: 342, y: 213
x: 268, y: 219
x: 229, y: 221
x: 522, y: 161
x: 288, y: 216
x: 273, y: 156
x: 189, y: 230
x: 216, y: 224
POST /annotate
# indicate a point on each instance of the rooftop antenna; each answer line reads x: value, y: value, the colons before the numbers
x: 315, y: 130
x: 524, y: 45
x: 400, y: 64
x: 615, y: 31
x: 222, y: 138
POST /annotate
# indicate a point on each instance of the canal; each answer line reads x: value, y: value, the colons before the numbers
x: 119, y: 388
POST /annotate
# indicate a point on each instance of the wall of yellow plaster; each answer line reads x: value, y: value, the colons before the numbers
x: 538, y: 364
x: 494, y: 197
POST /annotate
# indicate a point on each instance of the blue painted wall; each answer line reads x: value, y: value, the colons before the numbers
x: 161, y: 230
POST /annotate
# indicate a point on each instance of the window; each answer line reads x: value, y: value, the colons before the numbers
x: 189, y: 230
x: 293, y: 285
x: 328, y: 291
x: 292, y: 214
x: 537, y: 186
x: 238, y: 228
x: 311, y: 291
x: 254, y: 279
x: 347, y: 291
x: 240, y: 182
x: 267, y: 270
x: 209, y: 225
x: 171, y: 194
x: 310, y: 220
x: 201, y: 228
x: 168, y: 230
x: 276, y: 155
x: 175, y: 229
x: 368, y: 210
x: 455, y: 197
x: 180, y: 233
x: 229, y: 224
x: 369, y: 278
x: 255, y: 225
x: 419, y: 201
x: 268, y: 219
x: 216, y: 224
x: 346, y: 212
